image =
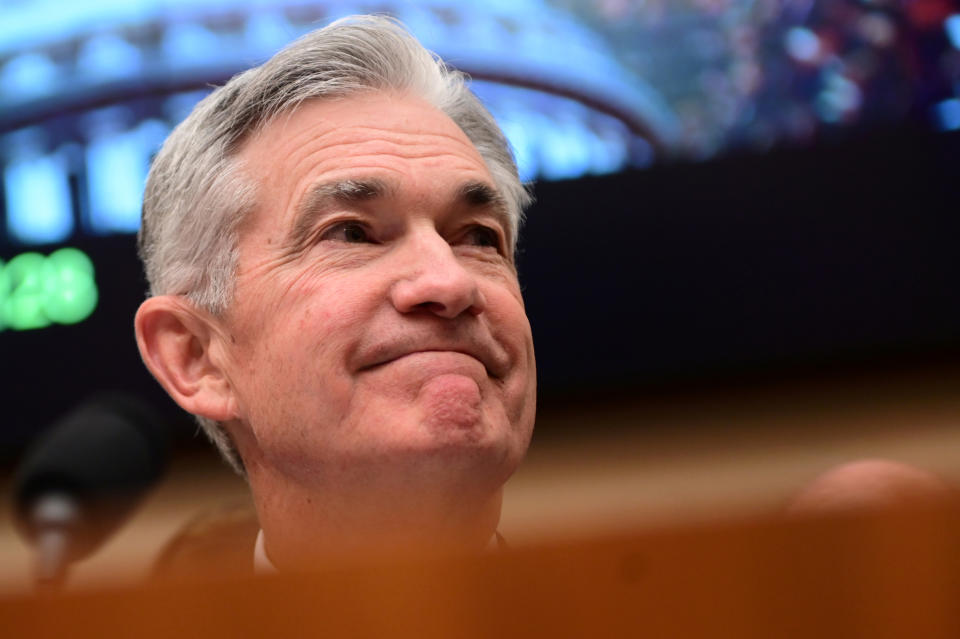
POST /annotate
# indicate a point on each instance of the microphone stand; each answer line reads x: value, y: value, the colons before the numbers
x: 54, y: 517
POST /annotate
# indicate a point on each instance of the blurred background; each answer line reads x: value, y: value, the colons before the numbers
x: 741, y: 267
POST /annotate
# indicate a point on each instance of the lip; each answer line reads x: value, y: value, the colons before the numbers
x: 440, y: 361
x: 493, y: 362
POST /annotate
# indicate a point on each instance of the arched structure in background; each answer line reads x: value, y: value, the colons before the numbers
x: 87, y: 93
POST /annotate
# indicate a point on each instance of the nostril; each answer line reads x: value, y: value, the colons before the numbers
x: 433, y: 307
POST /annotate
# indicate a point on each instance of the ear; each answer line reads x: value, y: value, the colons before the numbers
x: 176, y: 341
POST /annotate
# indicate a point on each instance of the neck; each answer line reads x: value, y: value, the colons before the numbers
x: 307, y: 525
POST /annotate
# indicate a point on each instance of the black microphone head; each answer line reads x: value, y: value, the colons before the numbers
x: 99, y: 458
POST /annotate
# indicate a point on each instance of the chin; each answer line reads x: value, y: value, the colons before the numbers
x: 474, y: 453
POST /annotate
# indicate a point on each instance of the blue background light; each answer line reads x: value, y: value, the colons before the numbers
x: 39, y: 210
x: 117, y: 166
x: 579, y: 88
x: 29, y: 75
x: 948, y: 114
x: 536, y: 67
x: 952, y: 26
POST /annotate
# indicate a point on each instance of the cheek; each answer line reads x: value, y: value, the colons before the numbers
x: 511, y: 328
x: 291, y: 353
x: 311, y: 308
x: 508, y: 322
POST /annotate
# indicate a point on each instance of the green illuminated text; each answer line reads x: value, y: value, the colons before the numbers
x: 37, y: 291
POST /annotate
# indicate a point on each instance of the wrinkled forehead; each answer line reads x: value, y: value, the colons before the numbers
x: 330, y: 139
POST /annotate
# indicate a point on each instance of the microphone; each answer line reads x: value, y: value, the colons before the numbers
x: 84, y: 477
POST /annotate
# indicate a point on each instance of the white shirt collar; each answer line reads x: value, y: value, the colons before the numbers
x: 261, y: 563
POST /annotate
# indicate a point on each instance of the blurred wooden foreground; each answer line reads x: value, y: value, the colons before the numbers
x: 889, y: 574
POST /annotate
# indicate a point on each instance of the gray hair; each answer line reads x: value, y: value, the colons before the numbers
x: 196, y: 195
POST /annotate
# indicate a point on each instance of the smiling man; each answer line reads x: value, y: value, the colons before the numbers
x: 329, y: 242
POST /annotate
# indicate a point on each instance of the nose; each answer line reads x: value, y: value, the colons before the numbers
x: 431, y: 279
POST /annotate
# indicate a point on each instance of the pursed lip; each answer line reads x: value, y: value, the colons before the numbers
x: 492, y: 359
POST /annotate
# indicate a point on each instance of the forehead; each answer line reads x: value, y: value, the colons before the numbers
x: 396, y: 137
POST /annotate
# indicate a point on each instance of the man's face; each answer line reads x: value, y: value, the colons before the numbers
x: 377, y: 340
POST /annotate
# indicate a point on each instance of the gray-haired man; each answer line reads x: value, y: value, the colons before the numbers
x: 329, y: 241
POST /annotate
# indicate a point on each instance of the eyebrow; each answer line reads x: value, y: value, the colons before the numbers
x: 324, y: 196
x: 483, y: 196
x: 480, y: 195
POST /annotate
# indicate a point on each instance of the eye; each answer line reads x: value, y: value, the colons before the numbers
x: 348, y: 232
x: 482, y: 236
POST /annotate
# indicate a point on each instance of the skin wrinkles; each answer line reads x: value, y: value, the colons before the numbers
x: 490, y: 264
x: 413, y: 144
x: 359, y: 163
x: 327, y: 199
x: 321, y: 200
x: 398, y: 371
